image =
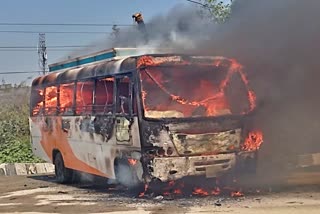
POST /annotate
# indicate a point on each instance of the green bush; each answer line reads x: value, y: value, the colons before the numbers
x: 18, y: 151
x: 14, y: 133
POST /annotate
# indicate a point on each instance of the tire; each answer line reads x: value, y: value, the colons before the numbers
x: 63, y: 174
x: 126, y: 176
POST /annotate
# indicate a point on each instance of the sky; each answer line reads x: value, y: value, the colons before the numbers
x: 62, y: 11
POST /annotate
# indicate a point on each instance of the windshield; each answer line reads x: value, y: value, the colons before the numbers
x: 192, y: 91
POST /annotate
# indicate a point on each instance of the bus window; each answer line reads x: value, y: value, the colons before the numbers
x: 84, y: 97
x: 104, y: 95
x: 51, y: 100
x: 135, y: 103
x: 36, y: 101
x: 123, y: 96
x: 66, y: 98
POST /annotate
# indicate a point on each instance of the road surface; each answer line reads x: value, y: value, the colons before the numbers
x: 40, y: 194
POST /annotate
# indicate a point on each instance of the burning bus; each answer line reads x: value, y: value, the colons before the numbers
x: 140, y: 118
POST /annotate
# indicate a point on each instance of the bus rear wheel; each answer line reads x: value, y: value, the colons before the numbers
x: 63, y: 174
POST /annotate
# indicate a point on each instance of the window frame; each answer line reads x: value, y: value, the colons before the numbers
x: 59, y: 112
x: 45, y: 111
x: 94, y: 112
x: 75, y: 95
x: 32, y: 107
x: 131, y: 91
x: 116, y: 99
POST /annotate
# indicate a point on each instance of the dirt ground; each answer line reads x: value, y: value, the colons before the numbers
x: 40, y: 194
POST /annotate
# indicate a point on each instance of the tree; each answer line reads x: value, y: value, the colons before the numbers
x: 218, y: 10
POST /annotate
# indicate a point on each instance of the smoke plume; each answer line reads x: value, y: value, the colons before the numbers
x: 277, y: 42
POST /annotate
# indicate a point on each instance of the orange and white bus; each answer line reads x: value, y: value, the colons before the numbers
x: 146, y: 117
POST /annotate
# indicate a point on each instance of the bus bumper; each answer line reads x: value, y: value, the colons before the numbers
x: 173, y: 168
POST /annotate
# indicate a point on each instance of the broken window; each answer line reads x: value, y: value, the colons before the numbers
x: 104, y: 96
x: 84, y: 97
x: 36, y: 101
x: 51, y: 100
x: 66, y: 98
x: 123, y: 95
x: 189, y: 91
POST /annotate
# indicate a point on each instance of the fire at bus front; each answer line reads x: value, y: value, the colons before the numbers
x: 196, y: 118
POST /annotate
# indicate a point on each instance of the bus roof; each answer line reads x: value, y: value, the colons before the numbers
x: 115, y: 66
x: 109, y: 54
x: 120, y: 65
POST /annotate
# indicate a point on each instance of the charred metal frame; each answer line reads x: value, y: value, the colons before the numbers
x: 152, y: 126
x: 147, y: 126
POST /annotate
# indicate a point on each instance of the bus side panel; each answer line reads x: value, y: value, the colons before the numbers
x: 113, y: 148
x: 54, y: 136
x: 37, y: 148
x: 91, y: 144
x: 82, y: 148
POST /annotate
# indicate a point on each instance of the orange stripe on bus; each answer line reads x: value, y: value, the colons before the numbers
x: 56, y: 138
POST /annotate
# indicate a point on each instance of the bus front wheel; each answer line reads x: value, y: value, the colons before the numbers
x: 63, y: 174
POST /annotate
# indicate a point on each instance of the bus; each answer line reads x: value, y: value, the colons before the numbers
x: 141, y: 118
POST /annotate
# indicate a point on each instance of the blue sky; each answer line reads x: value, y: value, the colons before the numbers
x: 64, y: 11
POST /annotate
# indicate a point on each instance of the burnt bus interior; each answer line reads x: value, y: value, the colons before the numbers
x: 66, y: 95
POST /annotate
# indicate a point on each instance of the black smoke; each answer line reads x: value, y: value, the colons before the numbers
x: 277, y: 41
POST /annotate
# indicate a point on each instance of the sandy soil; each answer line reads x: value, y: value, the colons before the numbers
x: 40, y: 194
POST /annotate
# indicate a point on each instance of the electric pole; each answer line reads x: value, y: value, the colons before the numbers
x: 42, y: 52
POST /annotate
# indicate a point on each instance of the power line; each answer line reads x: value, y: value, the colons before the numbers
x: 65, y: 24
x: 20, y: 72
x: 56, y: 46
x: 55, y: 32
x: 35, y: 50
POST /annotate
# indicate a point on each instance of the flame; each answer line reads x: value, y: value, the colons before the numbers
x: 146, y: 186
x: 200, y: 191
x: 177, y: 191
x: 51, y: 97
x: 237, y: 194
x: 37, y: 102
x: 253, y: 141
x: 132, y: 162
x: 176, y: 188
x: 145, y: 61
x: 66, y: 98
x: 216, y: 191
x: 211, y: 97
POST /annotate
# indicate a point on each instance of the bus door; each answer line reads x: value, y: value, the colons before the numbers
x: 126, y: 125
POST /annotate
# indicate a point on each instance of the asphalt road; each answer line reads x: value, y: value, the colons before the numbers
x: 40, y: 194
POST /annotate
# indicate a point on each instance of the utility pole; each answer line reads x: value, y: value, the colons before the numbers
x: 42, y: 52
